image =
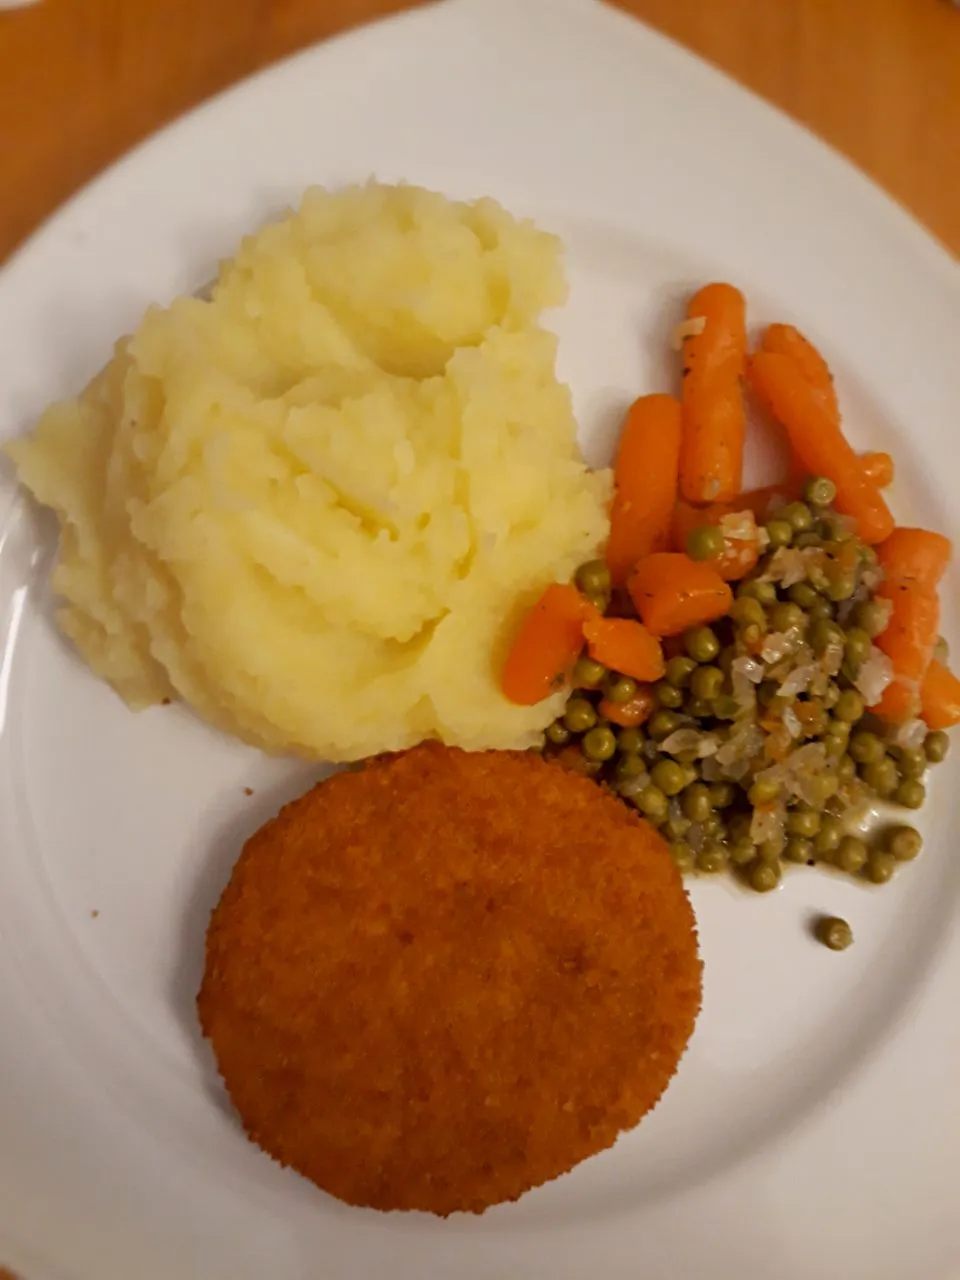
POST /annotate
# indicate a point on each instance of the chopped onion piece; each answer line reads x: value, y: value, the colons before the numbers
x: 791, y: 722
x: 767, y: 823
x: 682, y: 740
x: 739, y: 526
x: 690, y: 328
x: 874, y: 676
x: 910, y: 735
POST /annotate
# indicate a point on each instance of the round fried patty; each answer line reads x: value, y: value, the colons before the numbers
x: 446, y: 978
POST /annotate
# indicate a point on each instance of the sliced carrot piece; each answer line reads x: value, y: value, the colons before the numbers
x: 645, y: 483
x: 630, y: 714
x: 915, y: 556
x: 878, y: 468
x: 940, y: 697
x: 908, y: 641
x: 547, y: 645
x: 625, y: 645
x: 738, y: 527
x: 714, y: 418
x: 672, y: 592
x: 816, y: 439
x: 785, y: 340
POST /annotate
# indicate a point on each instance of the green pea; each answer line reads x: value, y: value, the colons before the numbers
x: 749, y: 635
x: 851, y: 855
x: 832, y: 528
x: 620, y: 689
x: 905, y: 843
x: 770, y: 850
x: 799, y: 849
x: 696, y: 802
x: 600, y: 603
x: 868, y: 557
x: 871, y: 616
x: 713, y: 826
x: 911, y: 764
x: 834, y: 932
x: 753, y: 589
x: 823, y: 787
x: 593, y: 578
x: 739, y: 826
x: 849, y: 706
x: 780, y: 533
x: 846, y: 769
x: 809, y: 538
x: 825, y: 635
x: 866, y: 747
x: 827, y: 840
x: 742, y: 851
x: 746, y: 610
x: 821, y: 610
x: 819, y: 491
x: 764, y: 876
x: 726, y: 707
x: 881, y: 777
x: 706, y: 682
x: 857, y: 647
x: 701, y: 644
x: 668, y: 695
x: 588, y: 673
x: 803, y: 595
x: 662, y: 723
x: 705, y: 542
x: 668, y: 776
x: 631, y: 766
x: 630, y: 741
x: 834, y: 744
x: 599, y: 743
x: 711, y: 858
x: 557, y: 734
x: 676, y: 826
x: 803, y: 822
x: 840, y: 586
x: 698, y: 707
x: 797, y: 515
x: 579, y: 715
x: 678, y: 670
x: 881, y: 866
x: 653, y: 803
x: 785, y: 616
x: 941, y: 650
x: 911, y: 794
x: 683, y: 856
x: 722, y: 794
x: 935, y: 746
x: 764, y: 791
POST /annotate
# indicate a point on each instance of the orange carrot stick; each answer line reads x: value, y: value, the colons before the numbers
x: 624, y: 645
x: 546, y: 647
x: 940, y: 697
x: 914, y: 557
x: 714, y: 420
x: 645, y: 483
x: 818, y: 442
x: 908, y: 641
x: 878, y: 468
x: 672, y: 592
x: 738, y: 527
x: 630, y: 714
x: 785, y: 340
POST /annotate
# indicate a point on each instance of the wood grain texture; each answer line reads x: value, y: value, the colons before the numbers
x: 82, y: 80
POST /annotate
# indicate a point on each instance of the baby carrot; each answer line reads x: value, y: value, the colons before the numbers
x: 735, y: 525
x: 785, y: 340
x: 816, y: 439
x: 940, y: 697
x: 672, y: 592
x: 914, y: 556
x: 624, y: 645
x: 908, y: 641
x: 878, y: 468
x: 645, y: 483
x: 630, y: 714
x: 714, y: 420
x: 546, y: 646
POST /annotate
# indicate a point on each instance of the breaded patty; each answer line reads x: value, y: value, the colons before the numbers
x: 449, y: 977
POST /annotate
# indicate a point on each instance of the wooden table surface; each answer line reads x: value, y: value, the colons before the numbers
x: 83, y: 80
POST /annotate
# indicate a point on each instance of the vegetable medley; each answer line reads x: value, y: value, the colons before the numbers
x: 752, y: 671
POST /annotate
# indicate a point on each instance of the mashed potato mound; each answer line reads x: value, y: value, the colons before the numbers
x: 313, y: 506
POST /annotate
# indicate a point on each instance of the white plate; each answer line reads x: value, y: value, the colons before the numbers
x: 814, y: 1128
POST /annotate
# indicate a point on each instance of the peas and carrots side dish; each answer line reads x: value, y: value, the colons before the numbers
x: 752, y: 671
